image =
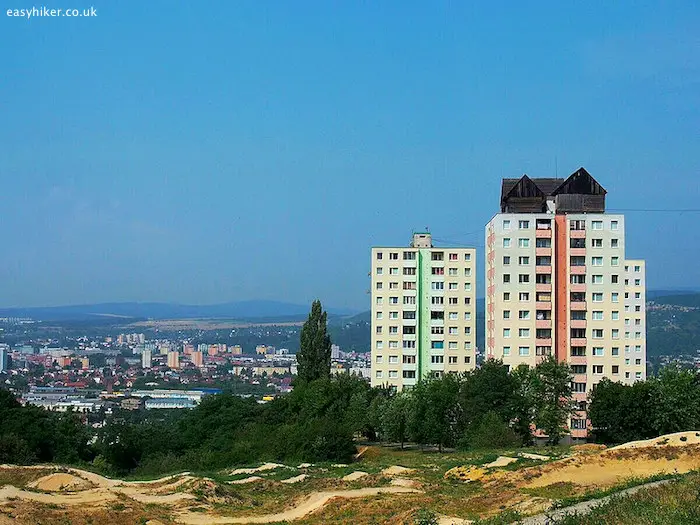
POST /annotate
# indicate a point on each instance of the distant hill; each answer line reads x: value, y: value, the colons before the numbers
x: 129, y: 311
x: 689, y: 299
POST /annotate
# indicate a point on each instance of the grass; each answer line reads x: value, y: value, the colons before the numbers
x: 676, y: 503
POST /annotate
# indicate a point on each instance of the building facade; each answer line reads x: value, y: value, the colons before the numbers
x: 423, y: 312
x: 558, y: 283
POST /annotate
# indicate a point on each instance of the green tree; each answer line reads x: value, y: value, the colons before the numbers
x: 395, y: 418
x: 523, y: 403
x: 677, y: 407
x: 314, y: 356
x: 489, y: 388
x: 553, y: 398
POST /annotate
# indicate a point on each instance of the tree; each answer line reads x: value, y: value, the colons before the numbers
x: 523, y: 403
x: 314, y: 356
x: 553, y: 398
x: 395, y: 418
x: 489, y: 388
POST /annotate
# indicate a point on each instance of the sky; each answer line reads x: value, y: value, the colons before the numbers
x: 215, y: 151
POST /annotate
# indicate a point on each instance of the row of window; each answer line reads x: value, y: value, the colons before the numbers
x: 411, y: 299
x: 576, y: 315
x: 434, y: 256
x: 435, y: 270
x: 436, y: 285
x: 599, y: 351
x: 435, y: 330
x: 435, y: 345
x: 545, y: 224
x: 596, y: 297
x: 411, y: 314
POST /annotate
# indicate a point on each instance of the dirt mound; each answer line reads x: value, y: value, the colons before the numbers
x: 262, y: 468
x: 501, y: 461
x: 295, y: 479
x: 368, y: 452
x: 678, y: 439
x: 466, y: 473
x: 397, y: 470
x: 587, y: 448
x: 61, y: 482
x: 354, y: 476
x: 251, y: 479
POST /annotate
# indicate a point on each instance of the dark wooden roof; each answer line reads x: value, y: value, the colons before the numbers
x: 579, y: 181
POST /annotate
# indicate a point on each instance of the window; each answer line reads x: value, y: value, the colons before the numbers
x: 437, y: 359
x: 380, y: 315
x: 614, y: 261
x: 379, y: 345
x: 394, y: 256
x: 614, y: 243
x: 523, y: 243
x: 437, y: 315
x: 506, y: 260
x: 452, y: 271
x: 409, y: 345
x: 615, y: 315
x: 409, y: 330
x: 524, y: 332
x: 393, y: 315
x: 596, y: 261
x: 614, y: 279
x: 506, y: 333
x: 578, y: 369
x: 578, y: 351
x: 393, y: 359
x: 637, y: 295
x: 637, y: 282
x: 598, y: 369
x: 506, y: 314
x: 596, y: 225
x: 452, y: 316
x: 395, y: 285
x: 467, y: 330
x: 524, y: 314
x: 506, y: 242
x: 409, y: 271
x: 615, y: 369
x: 597, y: 279
x: 453, y: 330
x: 380, y: 300
x: 467, y: 257
x: 637, y: 269
x: 393, y: 271
x: 437, y: 345
x: 452, y: 345
x: 452, y: 300
x: 543, y: 243
x: 393, y: 374
x: 409, y: 286
x: 379, y: 256
x: 380, y: 271
x: 615, y: 351
x: 393, y: 329
x: 379, y: 359
x: 597, y: 333
x: 437, y: 285
x: 437, y: 300
x: 577, y: 260
x: 409, y: 256
x: 506, y: 350
x: 522, y: 261
x: 523, y: 278
x: 613, y: 225
x: 577, y: 225
x: 435, y: 270
x: 378, y: 374
x: 437, y: 256
x: 524, y: 296
x: 506, y: 296
x: 615, y: 333
x: 523, y: 225
x: 393, y: 300
x: 523, y: 351
x: 615, y: 297
x: 378, y: 330
x: 597, y: 297
x: 453, y: 359
x: 467, y: 287
x: 467, y: 272
x: 596, y: 243
x: 409, y: 300
x: 576, y: 315
x: 506, y: 277
x: 597, y: 315
x: 453, y: 257
x: 409, y: 374
x: 598, y: 351
x: 578, y: 424
x: 506, y: 225
x: 409, y: 314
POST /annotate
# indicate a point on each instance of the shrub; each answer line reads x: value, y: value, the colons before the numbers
x: 489, y: 432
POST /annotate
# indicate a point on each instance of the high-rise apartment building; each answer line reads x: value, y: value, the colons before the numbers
x: 3, y: 357
x: 558, y: 283
x: 173, y: 359
x: 196, y: 358
x: 146, y: 358
x: 423, y: 312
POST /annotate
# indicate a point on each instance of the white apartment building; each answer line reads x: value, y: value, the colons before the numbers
x: 423, y: 312
x: 558, y: 283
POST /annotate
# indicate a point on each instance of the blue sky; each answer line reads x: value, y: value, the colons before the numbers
x: 205, y: 152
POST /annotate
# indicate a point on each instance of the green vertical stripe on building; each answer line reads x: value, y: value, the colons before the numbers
x: 419, y: 314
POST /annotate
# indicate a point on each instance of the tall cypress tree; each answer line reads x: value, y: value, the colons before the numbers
x: 314, y: 357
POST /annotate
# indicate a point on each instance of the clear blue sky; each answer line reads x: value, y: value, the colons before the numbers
x: 205, y: 152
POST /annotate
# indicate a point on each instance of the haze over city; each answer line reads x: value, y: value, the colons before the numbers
x: 169, y: 152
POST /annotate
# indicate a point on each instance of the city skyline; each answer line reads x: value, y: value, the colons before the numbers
x: 258, y: 154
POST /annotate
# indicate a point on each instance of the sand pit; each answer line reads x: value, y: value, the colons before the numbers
x: 251, y: 479
x: 679, y: 439
x: 397, y: 470
x: 60, y: 482
x: 466, y: 474
x: 355, y: 476
x: 501, y: 461
x: 262, y: 468
x: 295, y: 479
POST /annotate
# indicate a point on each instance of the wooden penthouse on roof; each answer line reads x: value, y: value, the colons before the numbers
x: 579, y: 193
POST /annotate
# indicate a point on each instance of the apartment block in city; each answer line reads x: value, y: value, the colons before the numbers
x: 423, y: 312
x: 558, y: 283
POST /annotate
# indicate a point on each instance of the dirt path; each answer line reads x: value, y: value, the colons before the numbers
x: 86, y: 497
x: 586, y: 506
x: 310, y: 504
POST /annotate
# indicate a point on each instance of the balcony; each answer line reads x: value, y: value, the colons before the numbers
x: 577, y: 252
x: 544, y: 342
x: 543, y: 323
x: 577, y: 234
x: 577, y: 323
x: 578, y: 305
x: 544, y: 252
x: 577, y: 341
x: 543, y: 305
x: 578, y: 360
x: 578, y: 270
x: 539, y: 287
x: 581, y: 288
x: 543, y: 270
x: 542, y: 233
